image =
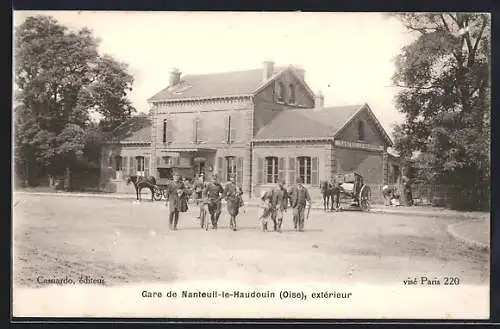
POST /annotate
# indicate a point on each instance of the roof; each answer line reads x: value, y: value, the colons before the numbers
x: 137, y: 129
x: 313, y: 123
x: 236, y: 83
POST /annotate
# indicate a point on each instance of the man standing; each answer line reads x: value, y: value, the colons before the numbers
x: 299, y: 199
x: 199, y: 185
x: 233, y: 196
x: 335, y: 193
x: 175, y: 194
x: 277, y: 199
x: 213, y: 192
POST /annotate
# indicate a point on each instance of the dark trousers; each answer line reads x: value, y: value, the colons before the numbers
x: 215, y: 209
x: 173, y: 218
x: 298, y: 216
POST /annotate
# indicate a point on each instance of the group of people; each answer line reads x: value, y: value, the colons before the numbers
x: 209, y: 193
x: 394, y: 195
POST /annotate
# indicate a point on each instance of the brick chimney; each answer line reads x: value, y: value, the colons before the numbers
x: 268, y: 70
x: 175, y: 77
x: 319, y: 101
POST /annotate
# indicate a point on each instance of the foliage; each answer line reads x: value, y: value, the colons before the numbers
x: 445, y: 80
x: 63, y: 82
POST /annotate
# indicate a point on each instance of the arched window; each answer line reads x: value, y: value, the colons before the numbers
x: 271, y: 169
x: 361, y: 131
x: 292, y: 94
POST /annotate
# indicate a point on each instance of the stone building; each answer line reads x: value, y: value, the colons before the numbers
x: 261, y: 125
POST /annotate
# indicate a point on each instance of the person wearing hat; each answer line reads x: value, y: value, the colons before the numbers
x: 175, y: 198
x: 233, y: 196
x: 277, y: 199
x: 213, y: 193
x: 299, y: 200
x: 199, y: 185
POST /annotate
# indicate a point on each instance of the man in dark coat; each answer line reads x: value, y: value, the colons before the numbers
x: 299, y: 199
x: 335, y: 193
x: 174, y: 196
x: 233, y: 196
x: 214, y: 192
x: 277, y: 199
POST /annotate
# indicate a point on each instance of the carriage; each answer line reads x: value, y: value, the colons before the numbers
x: 353, y: 191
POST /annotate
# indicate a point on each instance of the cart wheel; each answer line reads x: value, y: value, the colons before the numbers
x: 158, y: 194
x: 365, y: 196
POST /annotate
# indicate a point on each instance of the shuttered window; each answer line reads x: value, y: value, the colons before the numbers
x: 169, y: 126
x: 146, y: 166
x: 131, y: 166
x: 260, y: 171
x: 304, y: 169
x: 291, y: 171
x: 271, y: 169
x: 239, y: 171
x: 230, y: 167
x: 229, y: 129
x: 314, y: 172
x: 164, y: 130
x: 281, y: 169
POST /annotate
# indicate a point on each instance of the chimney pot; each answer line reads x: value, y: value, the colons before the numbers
x: 319, y: 101
x: 175, y: 76
x: 268, y: 70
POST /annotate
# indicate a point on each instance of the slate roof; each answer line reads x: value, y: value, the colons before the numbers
x: 136, y: 129
x: 307, y: 123
x: 215, y: 85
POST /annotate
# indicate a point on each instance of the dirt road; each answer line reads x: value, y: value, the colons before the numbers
x: 123, y: 242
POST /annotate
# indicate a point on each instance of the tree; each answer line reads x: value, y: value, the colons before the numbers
x: 62, y: 81
x: 445, y: 79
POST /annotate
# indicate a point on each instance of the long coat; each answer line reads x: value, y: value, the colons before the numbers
x: 232, y: 194
x: 175, y: 196
x: 298, y: 197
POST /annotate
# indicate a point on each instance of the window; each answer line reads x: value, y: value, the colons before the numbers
x: 140, y: 163
x: 164, y: 130
x: 231, y: 166
x: 197, y: 130
x: 118, y: 163
x: 292, y: 94
x: 304, y: 169
x: 271, y: 169
x: 230, y: 129
x: 280, y: 91
x: 361, y: 131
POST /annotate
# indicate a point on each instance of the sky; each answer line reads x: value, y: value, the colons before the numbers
x: 348, y: 56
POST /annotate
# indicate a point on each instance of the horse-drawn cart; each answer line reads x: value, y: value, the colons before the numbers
x: 353, y: 191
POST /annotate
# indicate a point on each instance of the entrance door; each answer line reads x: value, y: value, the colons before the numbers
x: 201, y: 167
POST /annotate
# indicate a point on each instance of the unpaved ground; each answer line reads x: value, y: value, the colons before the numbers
x: 122, y: 242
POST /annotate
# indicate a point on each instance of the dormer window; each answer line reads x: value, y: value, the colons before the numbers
x: 361, y: 131
x: 292, y: 94
x: 280, y: 91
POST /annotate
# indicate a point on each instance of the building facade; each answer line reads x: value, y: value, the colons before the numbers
x: 260, y: 125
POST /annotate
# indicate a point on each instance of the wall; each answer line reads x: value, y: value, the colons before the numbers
x: 110, y: 182
x: 367, y: 163
x: 213, y: 115
x: 372, y: 134
x: 291, y: 150
x: 267, y: 105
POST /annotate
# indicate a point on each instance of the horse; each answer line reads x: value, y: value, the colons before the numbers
x: 141, y: 182
x: 326, y: 192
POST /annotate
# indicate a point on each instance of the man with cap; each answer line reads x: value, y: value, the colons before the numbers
x: 174, y: 196
x: 277, y: 199
x: 299, y: 199
x: 233, y: 196
x: 213, y: 192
